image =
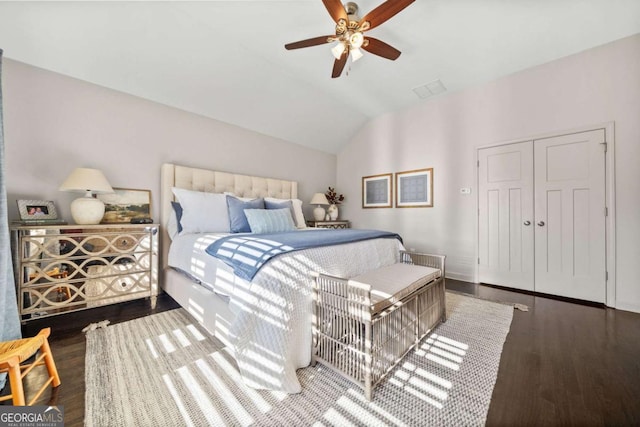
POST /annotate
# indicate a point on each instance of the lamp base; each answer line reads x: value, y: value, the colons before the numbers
x: 318, y: 213
x: 87, y: 210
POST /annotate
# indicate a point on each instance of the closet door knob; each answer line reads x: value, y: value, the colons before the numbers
x: 527, y: 223
x: 541, y: 223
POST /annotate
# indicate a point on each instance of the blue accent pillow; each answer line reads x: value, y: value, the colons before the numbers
x: 270, y: 220
x: 177, y: 208
x: 237, y: 219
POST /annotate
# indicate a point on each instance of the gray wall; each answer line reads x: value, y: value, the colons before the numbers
x: 591, y: 88
x: 54, y: 124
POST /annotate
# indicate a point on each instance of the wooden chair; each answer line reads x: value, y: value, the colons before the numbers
x: 14, y: 353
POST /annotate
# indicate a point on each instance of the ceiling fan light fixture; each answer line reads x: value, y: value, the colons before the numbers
x: 355, y: 54
x: 338, y: 50
x: 356, y: 40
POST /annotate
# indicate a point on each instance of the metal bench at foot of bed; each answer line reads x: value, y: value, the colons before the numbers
x: 363, y: 327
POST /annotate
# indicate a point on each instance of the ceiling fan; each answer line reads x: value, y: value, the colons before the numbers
x: 350, y: 32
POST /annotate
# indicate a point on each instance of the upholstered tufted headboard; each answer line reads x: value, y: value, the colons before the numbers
x: 214, y: 182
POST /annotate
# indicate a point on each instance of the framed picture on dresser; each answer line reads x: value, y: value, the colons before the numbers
x: 414, y: 189
x: 37, y: 210
x: 125, y: 204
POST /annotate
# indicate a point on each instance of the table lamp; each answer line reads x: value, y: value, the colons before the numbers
x: 319, y: 199
x: 87, y: 210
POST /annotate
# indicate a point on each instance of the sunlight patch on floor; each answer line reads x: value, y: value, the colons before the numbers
x: 241, y: 415
x: 166, y: 343
x: 152, y: 348
x: 177, y: 400
x: 182, y: 338
x: 200, y: 397
x: 434, y: 378
x: 443, y: 362
x: 372, y: 406
x: 195, y: 332
x: 262, y: 405
x: 449, y: 341
x: 425, y: 385
x: 446, y: 354
x: 358, y: 409
x: 335, y: 418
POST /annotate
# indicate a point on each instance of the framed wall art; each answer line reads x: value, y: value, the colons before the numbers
x: 125, y: 204
x: 414, y: 189
x: 377, y: 191
x: 37, y: 210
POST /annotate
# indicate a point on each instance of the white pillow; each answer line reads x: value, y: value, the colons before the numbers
x: 298, y: 216
x: 203, y: 212
x: 269, y: 220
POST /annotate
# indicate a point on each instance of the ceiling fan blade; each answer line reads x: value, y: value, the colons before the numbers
x: 308, y: 42
x: 336, y: 10
x: 339, y: 64
x: 384, y: 12
x: 380, y: 48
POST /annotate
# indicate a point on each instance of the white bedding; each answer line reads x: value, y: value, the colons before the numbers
x: 187, y: 253
x: 271, y: 332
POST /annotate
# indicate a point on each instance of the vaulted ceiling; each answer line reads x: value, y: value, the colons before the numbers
x: 226, y: 59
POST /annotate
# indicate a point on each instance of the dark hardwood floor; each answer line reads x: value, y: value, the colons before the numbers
x: 68, y: 346
x: 562, y: 364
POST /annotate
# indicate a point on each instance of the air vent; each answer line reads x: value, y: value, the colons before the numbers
x: 432, y: 88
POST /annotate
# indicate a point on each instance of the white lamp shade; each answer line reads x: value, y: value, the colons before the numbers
x: 85, y: 179
x: 319, y: 199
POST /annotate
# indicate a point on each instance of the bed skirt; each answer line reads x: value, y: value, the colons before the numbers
x: 209, y: 309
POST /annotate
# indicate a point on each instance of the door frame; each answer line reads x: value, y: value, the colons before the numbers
x: 610, y: 198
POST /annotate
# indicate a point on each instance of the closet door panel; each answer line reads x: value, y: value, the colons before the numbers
x: 570, y: 220
x: 505, y: 215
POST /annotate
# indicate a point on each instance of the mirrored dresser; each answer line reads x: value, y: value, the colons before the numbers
x: 64, y: 268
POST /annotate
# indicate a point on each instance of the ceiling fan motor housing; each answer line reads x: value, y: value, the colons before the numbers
x: 352, y: 11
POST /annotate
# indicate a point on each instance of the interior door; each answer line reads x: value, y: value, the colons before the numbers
x: 570, y: 216
x: 505, y: 203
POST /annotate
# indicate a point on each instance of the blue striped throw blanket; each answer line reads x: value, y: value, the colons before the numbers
x: 247, y: 253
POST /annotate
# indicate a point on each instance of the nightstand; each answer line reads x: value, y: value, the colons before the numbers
x: 328, y: 224
x: 63, y: 268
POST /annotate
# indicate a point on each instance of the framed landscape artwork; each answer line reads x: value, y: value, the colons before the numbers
x: 125, y: 204
x: 377, y: 191
x: 414, y: 189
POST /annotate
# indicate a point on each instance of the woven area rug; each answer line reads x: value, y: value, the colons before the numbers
x: 164, y: 370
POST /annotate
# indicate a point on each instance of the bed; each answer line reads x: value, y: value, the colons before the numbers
x: 265, y: 322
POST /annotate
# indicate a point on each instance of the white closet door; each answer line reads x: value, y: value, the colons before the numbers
x: 570, y: 216
x: 505, y: 201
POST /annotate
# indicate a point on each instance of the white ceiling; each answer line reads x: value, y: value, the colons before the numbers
x: 226, y: 59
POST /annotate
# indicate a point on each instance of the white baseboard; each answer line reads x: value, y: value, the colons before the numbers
x: 627, y: 307
x: 459, y: 276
